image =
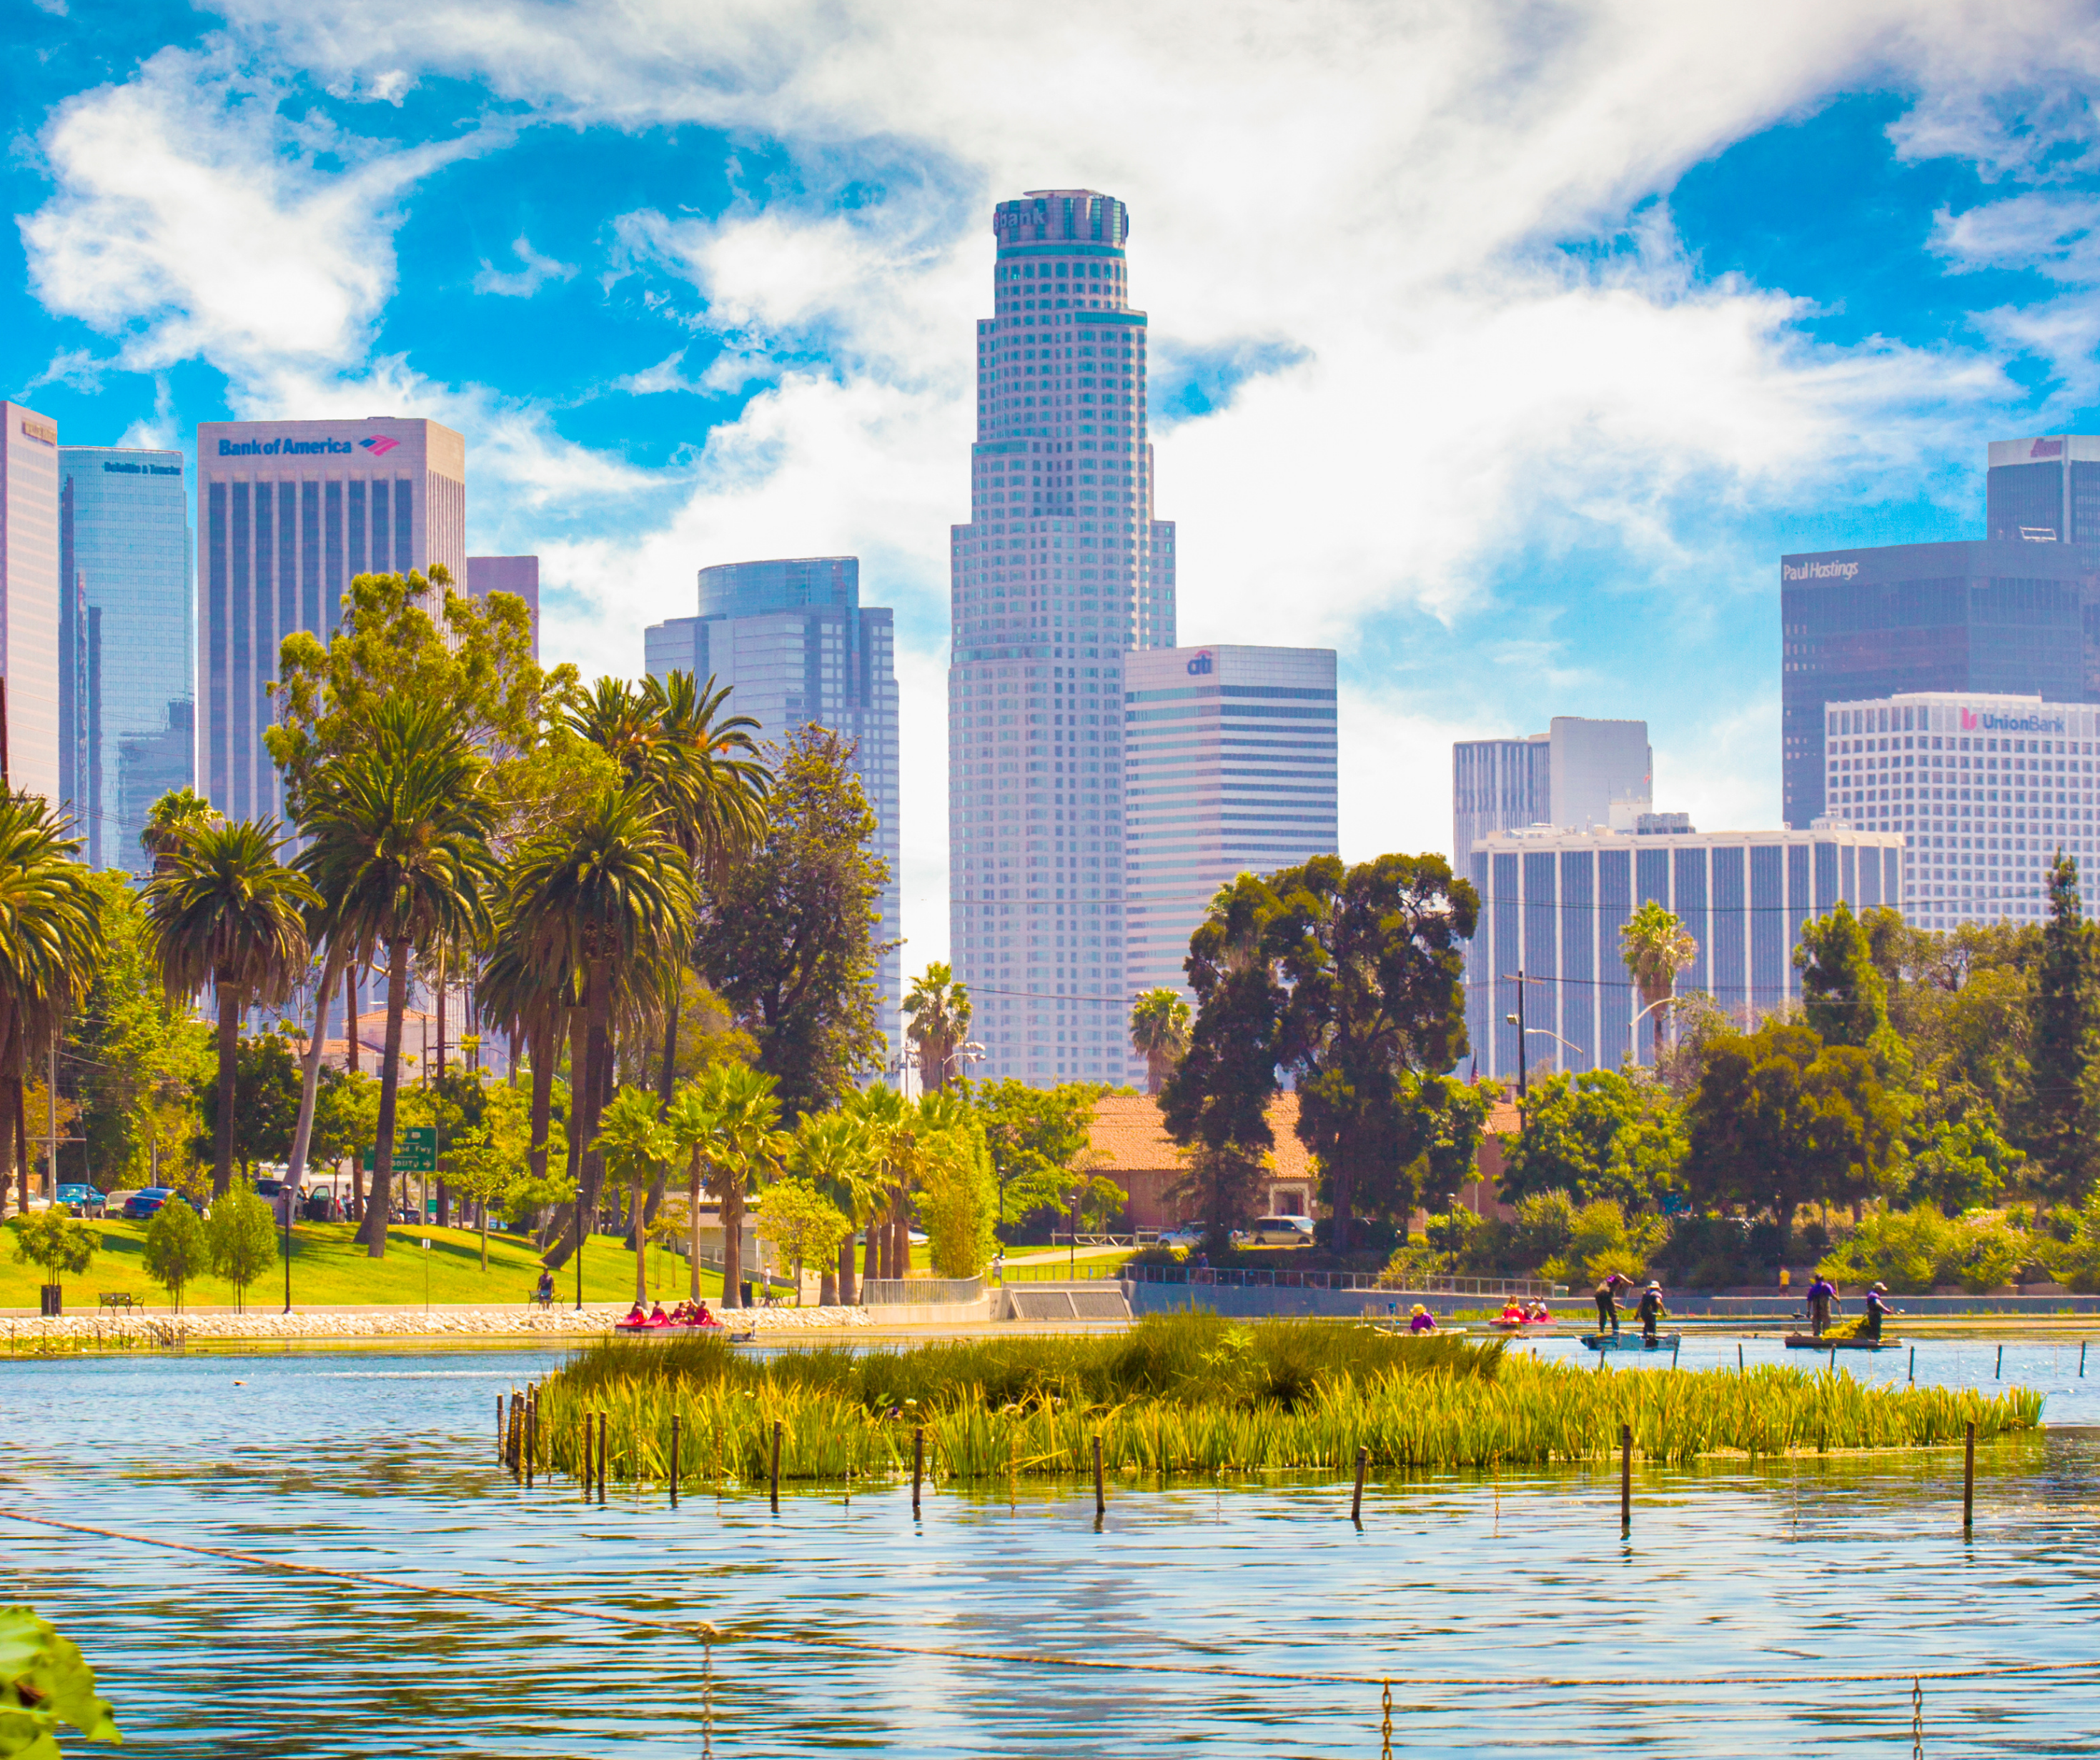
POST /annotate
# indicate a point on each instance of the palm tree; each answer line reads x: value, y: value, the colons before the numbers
x: 690, y: 1119
x: 398, y: 830
x: 527, y: 993
x: 605, y: 895
x: 1655, y: 947
x: 745, y: 1145
x: 939, y: 1009
x: 894, y: 1125
x: 50, y: 943
x: 225, y: 911
x: 837, y: 1152
x: 634, y: 1143
x: 1158, y: 1033
x: 170, y: 820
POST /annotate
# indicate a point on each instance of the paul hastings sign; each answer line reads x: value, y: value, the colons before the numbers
x: 1818, y: 571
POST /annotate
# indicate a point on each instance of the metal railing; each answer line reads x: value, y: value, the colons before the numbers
x: 1060, y: 1271
x: 895, y: 1291
x: 1365, y: 1281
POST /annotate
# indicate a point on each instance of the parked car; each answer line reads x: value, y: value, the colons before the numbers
x: 82, y: 1200
x: 1283, y: 1231
x: 1185, y: 1234
x: 143, y: 1204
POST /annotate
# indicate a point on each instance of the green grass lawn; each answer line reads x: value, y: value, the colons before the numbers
x: 329, y: 1267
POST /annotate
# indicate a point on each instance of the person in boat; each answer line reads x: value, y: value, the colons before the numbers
x: 1607, y: 1303
x: 658, y: 1318
x: 1513, y: 1313
x: 1538, y: 1315
x: 1651, y: 1311
x: 701, y: 1317
x: 1822, y: 1298
x: 1877, y: 1308
x: 637, y: 1315
x: 1421, y: 1320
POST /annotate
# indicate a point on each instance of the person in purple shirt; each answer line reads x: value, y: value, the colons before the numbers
x: 1822, y: 1298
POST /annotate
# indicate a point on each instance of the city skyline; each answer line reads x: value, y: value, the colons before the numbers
x: 1530, y: 423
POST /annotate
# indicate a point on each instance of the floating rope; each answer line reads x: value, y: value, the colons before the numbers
x: 711, y: 1634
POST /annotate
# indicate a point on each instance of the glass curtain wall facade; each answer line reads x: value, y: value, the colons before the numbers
x: 2002, y: 618
x: 289, y: 514
x: 1228, y: 768
x: 128, y: 720
x: 1985, y: 790
x: 30, y: 598
x: 1552, y: 906
x: 795, y: 647
x: 1498, y: 785
x: 1061, y: 570
x: 2044, y: 489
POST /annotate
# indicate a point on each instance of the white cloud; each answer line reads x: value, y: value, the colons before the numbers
x: 194, y: 219
x: 524, y: 283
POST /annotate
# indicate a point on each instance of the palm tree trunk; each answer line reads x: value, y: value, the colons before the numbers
x: 373, y: 1234
x: 350, y: 1018
x: 541, y: 1039
x: 872, y: 1267
x: 666, y: 1077
x: 900, y: 1239
x: 693, y: 1220
x: 8, y: 1161
x: 732, y: 1221
x: 598, y: 1058
x: 827, y: 1289
x: 641, y: 1245
x: 847, y: 1293
x: 311, y: 1081
x: 575, y: 1028
x: 484, y: 1208
x: 229, y: 1046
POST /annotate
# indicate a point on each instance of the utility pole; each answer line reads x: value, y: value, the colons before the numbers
x: 1516, y: 1020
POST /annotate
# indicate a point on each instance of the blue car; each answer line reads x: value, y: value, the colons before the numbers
x: 82, y: 1200
x: 142, y: 1204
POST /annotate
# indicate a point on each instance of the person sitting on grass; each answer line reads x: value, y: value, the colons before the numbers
x: 1421, y: 1320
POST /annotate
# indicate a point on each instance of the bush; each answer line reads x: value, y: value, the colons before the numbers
x: 1603, y: 1239
x: 242, y: 1237
x: 1707, y: 1253
x: 1914, y: 1251
x: 175, y: 1248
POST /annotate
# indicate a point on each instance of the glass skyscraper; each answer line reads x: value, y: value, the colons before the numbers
x: 127, y: 719
x: 290, y: 512
x: 1060, y: 570
x: 1229, y: 768
x: 794, y: 645
x: 2044, y: 489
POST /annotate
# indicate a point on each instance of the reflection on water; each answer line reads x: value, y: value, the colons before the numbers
x: 383, y: 1463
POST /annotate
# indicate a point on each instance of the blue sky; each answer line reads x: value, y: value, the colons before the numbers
x: 1503, y: 347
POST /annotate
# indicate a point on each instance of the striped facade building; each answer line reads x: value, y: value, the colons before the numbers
x: 1552, y: 904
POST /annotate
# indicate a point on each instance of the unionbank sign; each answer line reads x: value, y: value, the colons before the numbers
x: 1972, y: 722
x: 1818, y: 571
x: 378, y: 445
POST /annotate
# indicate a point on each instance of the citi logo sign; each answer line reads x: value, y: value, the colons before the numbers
x: 378, y: 445
x: 1200, y: 665
x: 2046, y: 449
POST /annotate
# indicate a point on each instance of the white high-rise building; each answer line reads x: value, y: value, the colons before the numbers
x: 1228, y: 768
x: 1061, y: 570
x: 30, y: 598
x: 1985, y: 788
x: 289, y: 513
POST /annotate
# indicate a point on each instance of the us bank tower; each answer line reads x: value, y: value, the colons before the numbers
x: 1062, y: 570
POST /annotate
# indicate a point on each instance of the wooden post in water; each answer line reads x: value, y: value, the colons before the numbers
x: 1625, y: 1478
x: 2081, y: 1358
x: 584, y: 1472
x: 1998, y: 1371
x: 1969, y: 1480
x: 1101, y: 1493
x: 1912, y: 1380
x: 1739, y: 1370
x: 601, y: 1453
x: 676, y: 1418
x: 1356, y: 1500
x: 500, y: 1431
x: 918, y: 1466
x: 531, y: 1431
x: 776, y: 1467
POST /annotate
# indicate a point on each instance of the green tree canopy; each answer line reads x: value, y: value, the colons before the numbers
x: 1033, y: 1136
x: 177, y: 1252
x: 1844, y: 997
x: 2059, y: 1122
x: 1598, y: 1135
x: 241, y: 1237
x: 1780, y: 1118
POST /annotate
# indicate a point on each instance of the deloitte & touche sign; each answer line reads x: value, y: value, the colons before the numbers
x: 1986, y: 722
x: 378, y: 445
x: 1818, y: 571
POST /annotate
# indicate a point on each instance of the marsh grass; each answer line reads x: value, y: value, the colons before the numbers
x: 1194, y: 1394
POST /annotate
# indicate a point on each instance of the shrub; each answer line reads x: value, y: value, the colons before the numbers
x: 51, y: 1239
x: 175, y: 1248
x: 1603, y: 1239
x: 242, y: 1237
x: 1706, y: 1252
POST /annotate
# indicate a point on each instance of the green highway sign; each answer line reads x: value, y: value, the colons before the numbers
x: 415, y: 1149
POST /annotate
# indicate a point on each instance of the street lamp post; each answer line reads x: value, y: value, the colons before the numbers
x: 1633, y: 1026
x: 1074, y: 1243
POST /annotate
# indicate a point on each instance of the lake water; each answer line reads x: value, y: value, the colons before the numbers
x: 383, y: 1463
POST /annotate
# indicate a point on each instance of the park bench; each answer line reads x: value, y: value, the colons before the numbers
x: 541, y: 1298
x: 121, y: 1299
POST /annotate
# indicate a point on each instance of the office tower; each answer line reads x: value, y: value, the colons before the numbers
x: 1576, y: 775
x: 289, y: 513
x: 1552, y: 903
x: 1228, y: 768
x: 795, y: 647
x: 1985, y: 790
x: 2045, y: 490
x: 1060, y: 570
x: 518, y: 575
x: 30, y: 598
x: 127, y: 720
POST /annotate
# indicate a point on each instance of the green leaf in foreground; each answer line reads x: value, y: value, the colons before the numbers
x: 45, y: 1685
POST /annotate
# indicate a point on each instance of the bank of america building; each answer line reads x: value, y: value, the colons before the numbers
x: 1985, y: 790
x: 289, y: 513
x: 1552, y: 903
